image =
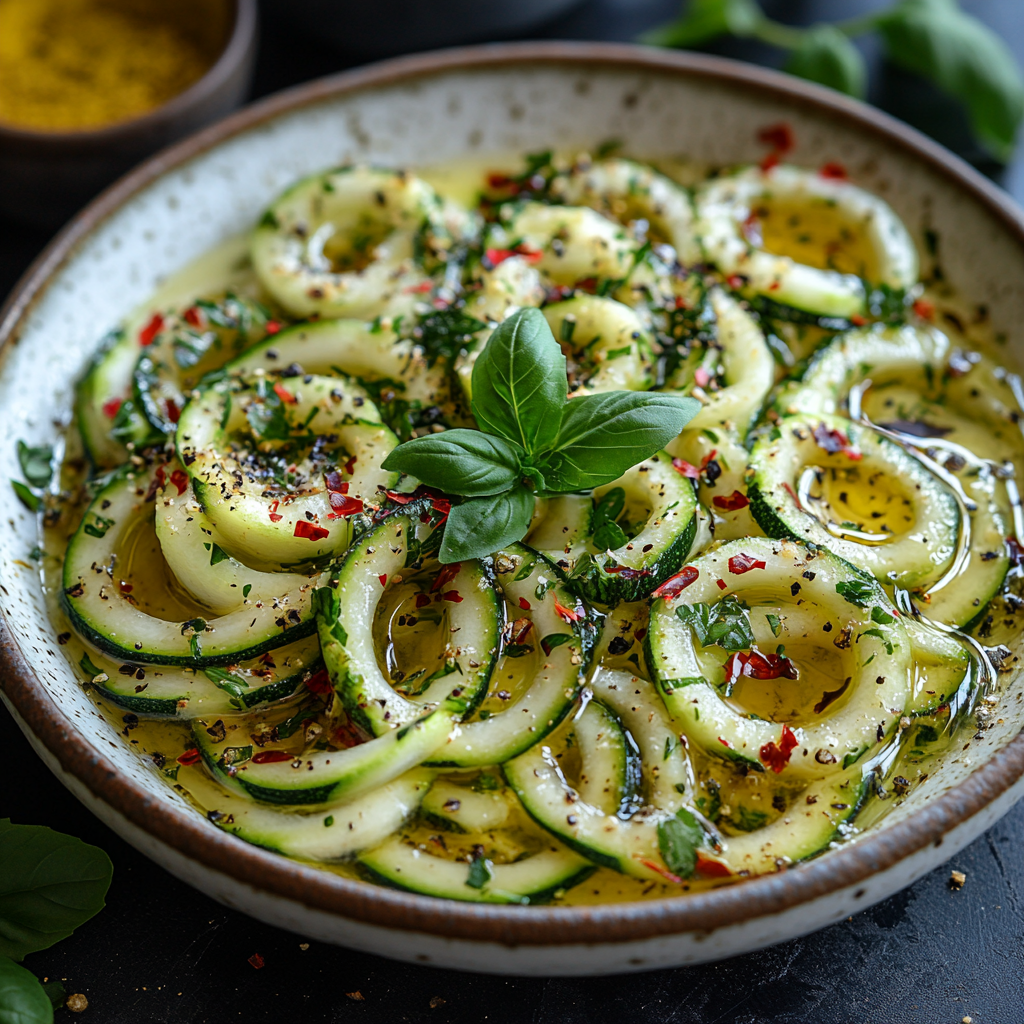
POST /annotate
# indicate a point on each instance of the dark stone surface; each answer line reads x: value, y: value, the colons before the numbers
x: 163, y: 954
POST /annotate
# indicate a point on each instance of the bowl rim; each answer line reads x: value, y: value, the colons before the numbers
x: 190, y: 836
x: 240, y: 40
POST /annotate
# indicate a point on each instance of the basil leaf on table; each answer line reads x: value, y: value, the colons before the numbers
x: 467, y: 462
x: 50, y: 884
x: 604, y: 435
x: 828, y: 57
x: 22, y: 998
x: 520, y: 382
x: 481, y: 526
x: 964, y: 58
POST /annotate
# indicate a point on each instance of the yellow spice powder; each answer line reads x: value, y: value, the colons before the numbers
x: 79, y: 64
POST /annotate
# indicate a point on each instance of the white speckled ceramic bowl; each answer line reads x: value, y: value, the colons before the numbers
x: 423, y: 110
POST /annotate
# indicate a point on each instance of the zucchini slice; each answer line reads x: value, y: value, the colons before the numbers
x: 468, y: 628
x: 533, y: 879
x: 318, y: 776
x: 166, y: 691
x: 330, y: 833
x: 281, y: 470
x: 802, y: 596
x: 608, y: 344
x: 641, y: 529
x: 353, y: 242
x: 115, y: 548
x: 831, y: 482
x: 607, y: 771
x: 598, y: 831
x: 551, y: 644
x: 509, y: 285
x: 624, y: 190
x: 739, y: 214
x: 107, y: 416
x: 463, y: 809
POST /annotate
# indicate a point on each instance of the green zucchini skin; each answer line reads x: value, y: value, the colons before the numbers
x: 101, y: 614
x: 799, y: 585
x: 919, y: 545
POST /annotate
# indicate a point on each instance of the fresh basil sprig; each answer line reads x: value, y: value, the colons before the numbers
x: 50, y: 884
x: 533, y: 440
x: 931, y: 38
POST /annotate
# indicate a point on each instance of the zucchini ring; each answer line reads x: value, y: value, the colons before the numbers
x: 811, y: 475
x: 727, y: 206
x: 310, y: 459
x: 609, y: 347
x: 170, y: 629
x: 863, y: 627
x: 624, y: 190
x: 345, y: 243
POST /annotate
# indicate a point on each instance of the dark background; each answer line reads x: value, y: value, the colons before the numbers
x: 162, y: 953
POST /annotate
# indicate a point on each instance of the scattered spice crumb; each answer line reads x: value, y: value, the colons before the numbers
x: 957, y: 879
x: 437, y: 1001
x: 256, y: 960
x: 356, y: 997
x: 303, y: 946
x: 968, y: 1020
x: 76, y: 1003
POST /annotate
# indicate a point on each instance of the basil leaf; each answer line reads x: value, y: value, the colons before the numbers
x: 520, y: 383
x: 22, y: 999
x: 481, y: 526
x: 604, y: 435
x: 50, y: 884
x: 857, y: 592
x: 678, y: 839
x: 827, y: 56
x: 725, y: 624
x: 705, y: 20
x: 36, y: 463
x: 26, y: 497
x: 964, y: 58
x: 466, y: 462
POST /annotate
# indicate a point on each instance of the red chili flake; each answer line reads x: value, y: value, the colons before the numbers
x: 857, y: 320
x: 383, y: 577
x: 320, y: 682
x: 347, y: 735
x: 770, y: 160
x: 779, y: 136
x: 284, y: 394
x: 193, y: 316
x: 442, y: 505
x: 924, y: 309
x: 256, y: 960
x: 741, y: 563
x: 725, y: 743
x: 834, y: 170
x: 1015, y: 550
x: 400, y: 499
x: 520, y: 630
x: 419, y: 289
x: 706, y: 461
x: 151, y: 330
x: 701, y: 377
x: 180, y: 480
x: 675, y: 585
x: 755, y: 665
x: 272, y: 756
x: 310, y: 531
x: 422, y: 600
x: 272, y: 327
x: 530, y: 255
x: 626, y: 572
x: 640, y: 634
x: 524, y: 604
x: 654, y: 866
x: 711, y: 868
x: 567, y: 614
x: 722, y: 585
x: 111, y: 407
x: 275, y: 516
x: 125, y: 588
x: 775, y: 285
x: 350, y: 466
x: 445, y: 576
x: 835, y: 441
x: 683, y: 468
x: 736, y: 281
x: 454, y: 596
x: 789, y: 490
x: 495, y: 180
x: 173, y: 412
x: 190, y: 757
x: 344, y: 505
x: 586, y: 284
x: 730, y: 502
x: 334, y: 482
x: 776, y: 755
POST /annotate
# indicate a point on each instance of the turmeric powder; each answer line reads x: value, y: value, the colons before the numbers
x: 83, y: 64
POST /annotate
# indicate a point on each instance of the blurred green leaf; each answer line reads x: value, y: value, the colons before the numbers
x: 704, y: 20
x: 22, y: 999
x: 828, y: 57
